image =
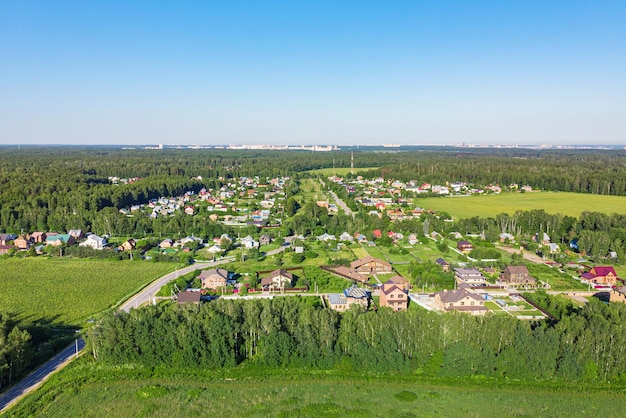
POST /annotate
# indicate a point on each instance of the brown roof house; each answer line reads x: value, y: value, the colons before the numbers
x: 128, y: 245
x: 370, y: 265
x: 278, y: 279
x: 400, y: 282
x: 188, y: 297
x: 214, y: 278
x: 517, y: 276
x: 461, y: 300
x: 393, y: 296
x: 618, y: 294
x: 464, y: 246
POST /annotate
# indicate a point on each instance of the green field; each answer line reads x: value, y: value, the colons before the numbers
x: 572, y: 204
x: 89, y: 390
x: 68, y: 291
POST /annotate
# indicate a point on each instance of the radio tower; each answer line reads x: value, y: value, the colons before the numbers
x: 352, y: 159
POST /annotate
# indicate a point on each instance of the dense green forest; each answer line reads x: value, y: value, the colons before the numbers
x: 23, y: 347
x: 586, y: 343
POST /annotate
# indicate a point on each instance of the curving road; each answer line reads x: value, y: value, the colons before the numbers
x: 145, y: 295
x: 37, y: 377
x: 41, y: 374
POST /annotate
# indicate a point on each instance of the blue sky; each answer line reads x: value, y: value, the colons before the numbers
x: 328, y: 72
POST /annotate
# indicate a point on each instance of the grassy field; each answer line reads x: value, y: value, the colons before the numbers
x: 68, y: 291
x: 572, y: 204
x: 340, y: 171
x: 89, y: 390
x: 311, y: 189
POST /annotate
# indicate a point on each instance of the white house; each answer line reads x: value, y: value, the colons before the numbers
x: 95, y: 242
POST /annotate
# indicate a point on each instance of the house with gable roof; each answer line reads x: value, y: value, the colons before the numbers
x: 278, y: 279
x: 95, y: 242
x: 601, y: 275
x: 460, y: 300
x: 351, y: 296
x: 214, y: 279
x: 516, y: 276
x: 371, y: 265
x: 393, y: 295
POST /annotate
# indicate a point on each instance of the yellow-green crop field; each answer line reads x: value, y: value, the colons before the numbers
x: 68, y: 291
x: 572, y: 204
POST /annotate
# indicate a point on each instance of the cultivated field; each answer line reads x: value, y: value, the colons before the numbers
x: 89, y: 390
x: 68, y: 291
x: 572, y: 204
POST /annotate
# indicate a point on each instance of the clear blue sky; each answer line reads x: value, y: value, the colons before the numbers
x: 329, y: 72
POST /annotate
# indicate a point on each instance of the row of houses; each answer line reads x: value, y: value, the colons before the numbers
x: 38, y: 239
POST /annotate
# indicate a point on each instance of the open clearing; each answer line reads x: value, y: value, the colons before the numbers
x: 572, y: 204
x: 87, y: 390
x: 68, y: 291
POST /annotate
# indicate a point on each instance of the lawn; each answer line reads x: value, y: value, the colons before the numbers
x: 68, y: 291
x: 311, y: 189
x: 572, y: 204
x: 91, y: 390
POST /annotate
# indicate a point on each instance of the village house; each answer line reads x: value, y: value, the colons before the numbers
x: 127, y: 245
x: 38, y: 237
x: 6, y: 238
x: 346, y: 237
x: 471, y: 276
x: 600, y: 275
x: 618, y: 295
x: 213, y: 279
x: 22, y: 243
x: 166, y: 243
x: 445, y: 266
x: 351, y: 296
x: 393, y: 296
x: 517, y: 276
x: 249, y: 242
x: 370, y: 265
x: 326, y: 237
x: 95, y: 242
x: 77, y: 234
x: 265, y: 239
x: 278, y: 279
x: 460, y: 300
x: 188, y: 297
x: 350, y: 274
x: 59, y: 239
x: 464, y: 246
x: 4, y: 249
x: 400, y: 282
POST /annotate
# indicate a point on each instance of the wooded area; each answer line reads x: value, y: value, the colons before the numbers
x: 586, y: 343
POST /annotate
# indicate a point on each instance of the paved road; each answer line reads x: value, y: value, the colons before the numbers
x: 36, y: 378
x: 341, y: 203
x: 146, y: 294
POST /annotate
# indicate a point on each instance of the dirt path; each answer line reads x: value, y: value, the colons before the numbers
x: 527, y: 255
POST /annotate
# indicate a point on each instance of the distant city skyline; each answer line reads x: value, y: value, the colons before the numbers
x: 328, y: 73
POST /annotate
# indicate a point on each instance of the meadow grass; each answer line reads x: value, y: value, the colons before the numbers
x: 68, y: 291
x: 572, y: 204
x: 93, y: 390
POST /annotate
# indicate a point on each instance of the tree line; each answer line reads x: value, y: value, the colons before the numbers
x: 586, y: 344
